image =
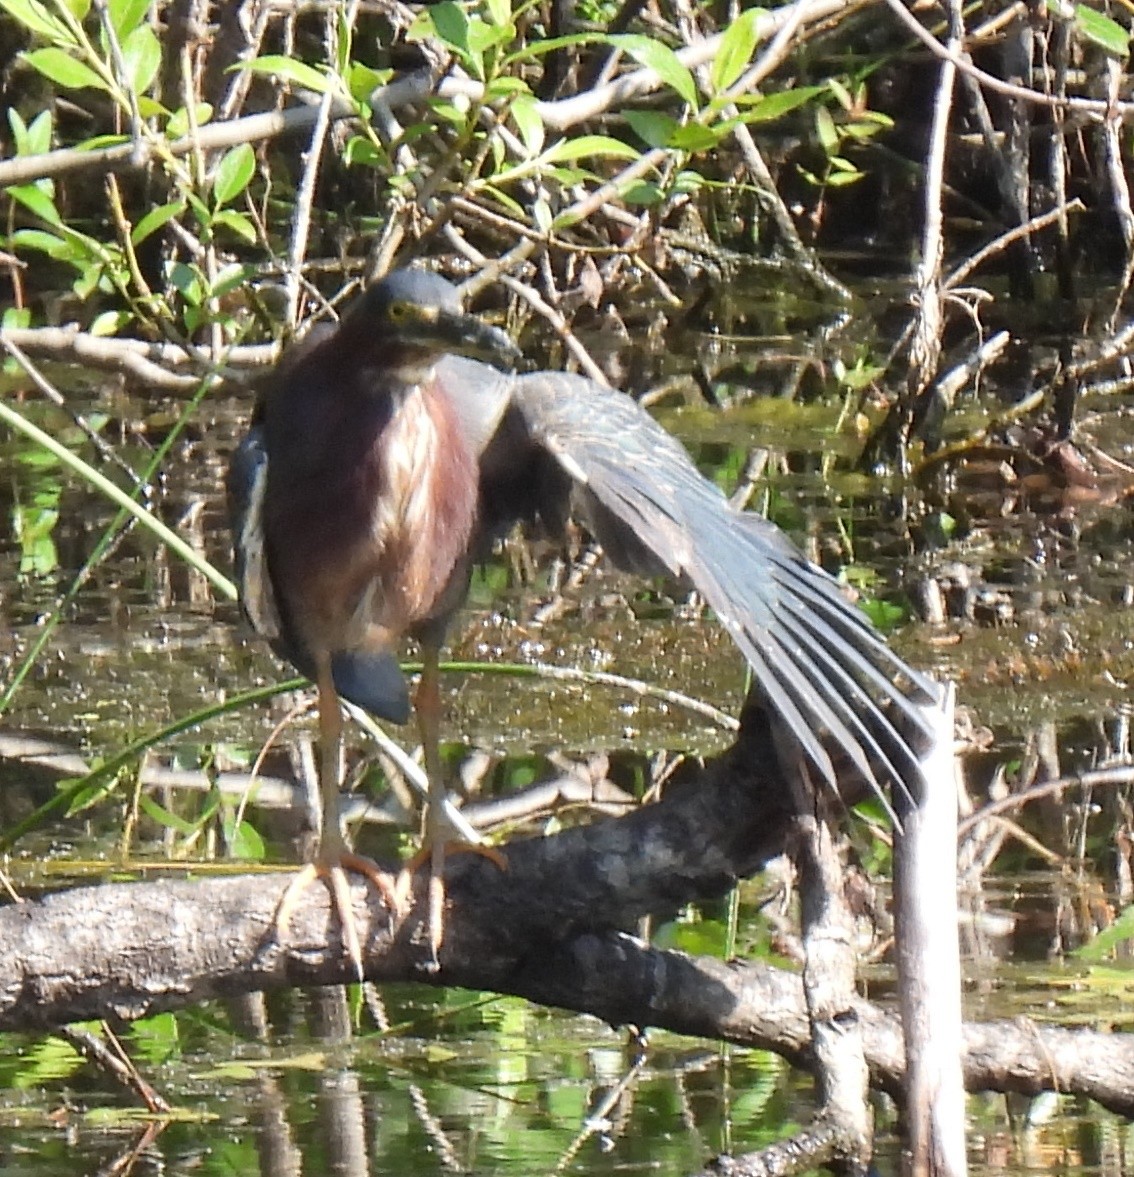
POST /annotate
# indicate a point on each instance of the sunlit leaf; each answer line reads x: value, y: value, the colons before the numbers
x: 525, y: 114
x: 33, y: 139
x: 230, y: 277
x: 287, y: 69
x: 362, y: 151
x: 109, y: 323
x: 499, y: 11
x: 737, y: 43
x: 589, y: 145
x: 238, y: 223
x: 155, y: 1038
x: 37, y: 201
x: 36, y: 18
x: 695, y: 137
x: 841, y: 93
x: 187, y: 281
x: 825, y: 128
x: 484, y: 36
x: 178, y: 125
x: 64, y: 70
x: 141, y: 51
x: 233, y: 173
x: 659, y: 57
x: 49, y: 1060
x: 772, y: 106
x: 1102, y: 31
x: 244, y: 842
x: 155, y: 219
x: 452, y: 25
x: 40, y: 240
x: 126, y: 16
x: 15, y: 317
x: 513, y: 206
x: 1109, y: 938
x: 362, y: 81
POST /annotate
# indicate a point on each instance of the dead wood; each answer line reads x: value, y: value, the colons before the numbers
x: 549, y: 929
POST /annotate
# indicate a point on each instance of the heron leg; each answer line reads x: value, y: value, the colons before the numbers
x: 438, y: 842
x: 334, y: 857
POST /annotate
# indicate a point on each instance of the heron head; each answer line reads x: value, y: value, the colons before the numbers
x: 418, y: 316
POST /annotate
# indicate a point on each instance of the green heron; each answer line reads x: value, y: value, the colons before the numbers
x: 382, y: 460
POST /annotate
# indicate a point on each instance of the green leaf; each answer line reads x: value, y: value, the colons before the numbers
x: 178, y: 125
x: 451, y: 25
x: 653, y: 127
x: 526, y: 116
x: 109, y: 323
x: 230, y: 278
x: 827, y: 131
x: 362, y: 81
x: 244, y: 842
x: 238, y: 223
x: 19, y: 131
x: 588, y: 145
x: 1102, y: 31
x: 126, y: 16
x: 33, y: 138
x: 16, y: 317
x: 659, y: 57
x: 141, y: 52
x: 155, y: 219
x: 484, y: 36
x: 165, y: 817
x: 642, y: 194
x: 737, y: 43
x: 37, y: 19
x: 765, y: 107
x: 233, y: 173
x: 60, y: 67
x: 842, y: 94
x: 46, y: 243
x: 695, y: 137
x: 499, y: 11
x: 361, y: 151
x: 1109, y: 938
x: 508, y: 202
x: 187, y: 281
x: 287, y: 69
x: 36, y: 201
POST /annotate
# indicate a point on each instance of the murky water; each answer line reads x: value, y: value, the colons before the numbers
x: 488, y: 1085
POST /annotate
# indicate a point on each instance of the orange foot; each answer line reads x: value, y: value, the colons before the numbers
x: 435, y: 856
x: 334, y: 874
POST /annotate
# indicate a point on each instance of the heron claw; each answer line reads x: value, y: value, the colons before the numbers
x: 434, y: 855
x: 334, y: 874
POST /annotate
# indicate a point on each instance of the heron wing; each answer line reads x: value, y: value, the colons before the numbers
x: 817, y: 659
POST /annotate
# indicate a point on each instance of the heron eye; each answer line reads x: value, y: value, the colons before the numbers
x: 398, y: 311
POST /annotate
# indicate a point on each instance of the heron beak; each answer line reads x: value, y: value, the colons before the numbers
x: 467, y: 335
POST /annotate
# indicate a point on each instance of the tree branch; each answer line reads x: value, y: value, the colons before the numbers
x: 546, y: 929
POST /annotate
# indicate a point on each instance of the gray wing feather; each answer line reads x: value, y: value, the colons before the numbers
x: 817, y: 659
